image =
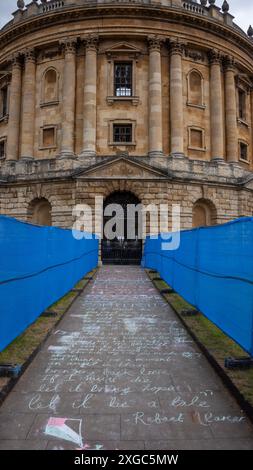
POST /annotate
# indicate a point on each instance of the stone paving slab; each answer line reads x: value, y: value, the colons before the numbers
x: 121, y: 372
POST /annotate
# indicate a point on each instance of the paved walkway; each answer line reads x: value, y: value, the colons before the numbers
x: 120, y: 372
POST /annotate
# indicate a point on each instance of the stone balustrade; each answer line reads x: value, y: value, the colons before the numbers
x: 212, y: 11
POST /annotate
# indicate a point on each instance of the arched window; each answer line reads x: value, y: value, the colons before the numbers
x: 40, y: 212
x: 204, y: 213
x: 195, y: 88
x: 50, y: 87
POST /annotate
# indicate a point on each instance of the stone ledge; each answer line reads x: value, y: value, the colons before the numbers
x: 178, y: 168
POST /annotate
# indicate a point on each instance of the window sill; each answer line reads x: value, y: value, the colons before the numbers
x: 50, y: 103
x: 242, y: 122
x: 53, y: 147
x: 122, y: 144
x: 5, y: 118
x: 197, y: 149
x: 134, y: 99
x: 199, y: 106
x: 244, y: 161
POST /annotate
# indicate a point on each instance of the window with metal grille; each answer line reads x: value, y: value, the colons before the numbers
x: 123, y: 79
x: 2, y: 149
x: 4, y: 102
x: 242, y: 105
x: 243, y: 151
x: 122, y: 133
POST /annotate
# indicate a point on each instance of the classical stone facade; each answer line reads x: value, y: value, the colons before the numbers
x: 145, y: 96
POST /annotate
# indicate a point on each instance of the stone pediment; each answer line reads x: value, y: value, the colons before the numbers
x: 122, y: 168
x: 122, y: 47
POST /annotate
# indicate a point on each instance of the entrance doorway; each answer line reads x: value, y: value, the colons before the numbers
x: 122, y: 249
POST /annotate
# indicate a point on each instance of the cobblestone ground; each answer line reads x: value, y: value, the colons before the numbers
x: 121, y: 372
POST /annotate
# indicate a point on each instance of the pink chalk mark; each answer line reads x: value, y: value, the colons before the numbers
x: 59, y: 422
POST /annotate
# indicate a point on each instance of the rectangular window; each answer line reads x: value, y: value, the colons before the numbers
x: 48, y: 137
x: 244, y: 152
x: 123, y: 79
x: 122, y: 133
x: 2, y: 149
x: 4, y: 102
x: 242, y: 105
x: 196, y: 139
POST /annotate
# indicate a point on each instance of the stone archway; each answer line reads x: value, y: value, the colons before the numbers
x: 40, y: 212
x: 125, y: 246
x: 204, y: 213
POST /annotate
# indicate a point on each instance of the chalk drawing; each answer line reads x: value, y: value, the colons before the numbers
x: 57, y: 427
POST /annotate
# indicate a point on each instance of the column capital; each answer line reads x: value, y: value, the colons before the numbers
x: 155, y: 42
x: 215, y: 57
x: 69, y: 45
x: 229, y: 63
x: 15, y: 59
x: 91, y: 42
x: 29, y: 55
x: 176, y: 46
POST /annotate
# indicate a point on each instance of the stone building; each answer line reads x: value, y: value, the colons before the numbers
x: 142, y: 100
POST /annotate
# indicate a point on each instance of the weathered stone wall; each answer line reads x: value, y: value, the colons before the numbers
x: 229, y: 203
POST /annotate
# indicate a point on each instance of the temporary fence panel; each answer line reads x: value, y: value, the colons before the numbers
x: 38, y: 265
x: 213, y: 270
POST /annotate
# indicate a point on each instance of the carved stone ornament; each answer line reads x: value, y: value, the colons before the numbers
x: 29, y: 55
x: 91, y: 41
x: 155, y: 42
x: 229, y: 62
x: 69, y: 45
x: 215, y: 57
x: 176, y: 47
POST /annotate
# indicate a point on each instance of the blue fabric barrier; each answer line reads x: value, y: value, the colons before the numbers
x: 38, y: 265
x: 213, y: 270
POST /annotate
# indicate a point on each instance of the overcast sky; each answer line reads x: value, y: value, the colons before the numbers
x: 241, y: 9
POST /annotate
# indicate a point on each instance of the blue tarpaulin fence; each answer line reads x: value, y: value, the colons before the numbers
x: 38, y: 265
x: 213, y: 270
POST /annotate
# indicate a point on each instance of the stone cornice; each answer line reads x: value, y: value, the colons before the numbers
x: 191, y: 171
x: 170, y: 14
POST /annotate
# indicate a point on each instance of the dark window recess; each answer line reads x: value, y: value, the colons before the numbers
x: 242, y: 105
x: 4, y: 101
x: 122, y: 133
x: 2, y: 149
x: 243, y: 151
x: 123, y: 79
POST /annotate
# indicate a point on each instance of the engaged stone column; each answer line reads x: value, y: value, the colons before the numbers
x: 231, y: 112
x: 69, y: 88
x: 176, y: 99
x: 14, y: 110
x: 28, y: 114
x: 216, y: 99
x: 90, y: 98
x: 155, y: 98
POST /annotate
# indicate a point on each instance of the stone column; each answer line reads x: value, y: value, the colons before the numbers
x: 28, y: 110
x: 176, y: 99
x: 14, y: 110
x: 231, y: 112
x: 69, y: 89
x: 216, y: 103
x: 155, y: 98
x: 90, y: 98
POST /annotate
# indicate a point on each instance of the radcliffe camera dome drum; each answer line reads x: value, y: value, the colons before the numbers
x: 154, y: 98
